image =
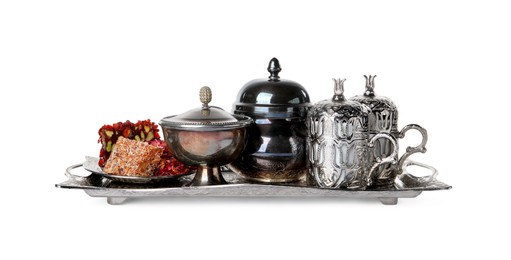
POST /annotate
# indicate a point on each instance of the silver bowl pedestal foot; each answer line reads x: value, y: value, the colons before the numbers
x: 207, y: 175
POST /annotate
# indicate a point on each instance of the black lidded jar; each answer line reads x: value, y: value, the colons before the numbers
x: 275, y: 150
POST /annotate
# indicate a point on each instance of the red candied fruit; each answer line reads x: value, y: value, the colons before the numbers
x: 169, y: 165
x: 108, y: 135
x: 146, y: 131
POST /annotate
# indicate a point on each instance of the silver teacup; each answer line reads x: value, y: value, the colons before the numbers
x: 339, y: 147
x: 383, y: 118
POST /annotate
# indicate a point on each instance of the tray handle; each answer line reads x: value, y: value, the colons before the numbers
x: 90, y: 181
x: 432, y: 176
x: 74, y: 177
x: 407, y: 180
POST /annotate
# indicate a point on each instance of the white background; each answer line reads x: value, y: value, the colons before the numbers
x: 68, y: 67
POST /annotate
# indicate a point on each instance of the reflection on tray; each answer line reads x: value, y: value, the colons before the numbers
x: 406, y: 181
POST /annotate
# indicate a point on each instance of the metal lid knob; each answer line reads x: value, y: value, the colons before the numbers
x: 339, y: 90
x: 274, y: 69
x: 205, y: 97
x: 369, y: 85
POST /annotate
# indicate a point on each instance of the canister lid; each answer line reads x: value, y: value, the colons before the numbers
x: 205, y: 118
x: 273, y: 97
x: 373, y: 101
x: 384, y: 111
x: 340, y: 105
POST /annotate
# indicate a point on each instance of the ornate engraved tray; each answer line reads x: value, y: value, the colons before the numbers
x: 95, y: 185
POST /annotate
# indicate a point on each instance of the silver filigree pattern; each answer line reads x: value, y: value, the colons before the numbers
x: 383, y: 118
x: 339, y: 144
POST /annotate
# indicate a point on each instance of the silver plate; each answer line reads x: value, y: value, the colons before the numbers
x: 91, y: 165
x: 408, y: 186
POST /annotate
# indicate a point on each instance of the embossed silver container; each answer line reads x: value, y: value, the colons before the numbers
x: 383, y: 118
x: 339, y: 146
x: 207, y: 137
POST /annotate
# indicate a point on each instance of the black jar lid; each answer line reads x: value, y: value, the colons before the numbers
x: 273, y: 97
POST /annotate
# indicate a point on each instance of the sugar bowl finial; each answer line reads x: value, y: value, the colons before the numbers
x: 205, y: 97
x: 338, y: 89
x: 369, y: 85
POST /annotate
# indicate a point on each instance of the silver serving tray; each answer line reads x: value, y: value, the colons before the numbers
x: 407, y: 186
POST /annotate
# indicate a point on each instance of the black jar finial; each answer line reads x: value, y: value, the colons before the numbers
x: 274, y: 69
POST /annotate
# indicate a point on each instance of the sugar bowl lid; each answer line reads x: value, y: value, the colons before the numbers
x: 206, y: 118
x: 273, y: 97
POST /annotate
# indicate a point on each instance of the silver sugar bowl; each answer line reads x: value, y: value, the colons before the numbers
x: 339, y: 146
x: 207, y: 137
x: 383, y: 118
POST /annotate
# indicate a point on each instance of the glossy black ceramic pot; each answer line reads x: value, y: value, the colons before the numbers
x: 275, y: 150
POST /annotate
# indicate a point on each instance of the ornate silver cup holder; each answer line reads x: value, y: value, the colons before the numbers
x: 116, y: 192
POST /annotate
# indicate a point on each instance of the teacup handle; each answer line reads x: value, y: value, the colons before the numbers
x: 379, y: 161
x: 411, y: 150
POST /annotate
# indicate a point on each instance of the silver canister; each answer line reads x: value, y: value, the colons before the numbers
x: 383, y: 118
x: 339, y: 146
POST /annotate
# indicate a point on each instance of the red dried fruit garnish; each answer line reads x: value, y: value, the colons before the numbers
x: 146, y: 131
x: 108, y: 135
x: 169, y: 165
